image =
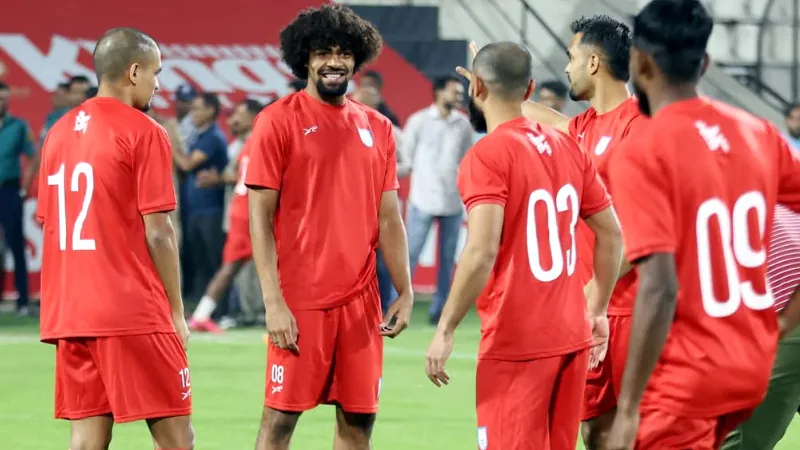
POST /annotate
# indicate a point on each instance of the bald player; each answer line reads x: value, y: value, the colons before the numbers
x: 105, y: 193
x: 525, y: 185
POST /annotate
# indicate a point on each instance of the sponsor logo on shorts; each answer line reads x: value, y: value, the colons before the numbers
x: 483, y: 438
x: 186, y: 395
x: 277, y: 389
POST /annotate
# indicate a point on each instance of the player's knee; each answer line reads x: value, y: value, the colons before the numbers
x: 278, y: 426
x: 174, y: 433
x: 85, y: 442
x: 355, y: 429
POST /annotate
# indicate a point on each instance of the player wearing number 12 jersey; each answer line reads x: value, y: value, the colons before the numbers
x: 695, y: 189
x: 110, y: 298
x: 525, y: 187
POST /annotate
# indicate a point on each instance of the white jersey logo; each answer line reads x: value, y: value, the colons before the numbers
x: 602, y: 145
x: 366, y: 137
x: 82, y: 121
x: 713, y: 136
x: 309, y: 130
x: 540, y: 142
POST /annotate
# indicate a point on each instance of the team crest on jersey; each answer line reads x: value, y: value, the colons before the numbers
x: 483, y: 438
x: 366, y: 137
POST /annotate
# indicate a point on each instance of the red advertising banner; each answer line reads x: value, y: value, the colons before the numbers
x: 230, y: 48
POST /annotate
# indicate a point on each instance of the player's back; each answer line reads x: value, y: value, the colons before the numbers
x: 104, y: 166
x: 533, y: 305
x: 723, y: 168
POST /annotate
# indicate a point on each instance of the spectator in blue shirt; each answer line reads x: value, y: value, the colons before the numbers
x: 16, y: 139
x: 204, y: 205
x: 793, y: 125
x: 60, y: 102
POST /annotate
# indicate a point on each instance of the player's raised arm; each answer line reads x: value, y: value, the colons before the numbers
x: 264, y: 179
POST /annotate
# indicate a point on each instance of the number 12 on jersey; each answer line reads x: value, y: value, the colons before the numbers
x: 58, y: 179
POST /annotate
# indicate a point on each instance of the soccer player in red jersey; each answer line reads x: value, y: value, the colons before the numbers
x: 599, y: 55
x: 695, y: 189
x: 111, y: 299
x: 525, y: 186
x: 323, y: 197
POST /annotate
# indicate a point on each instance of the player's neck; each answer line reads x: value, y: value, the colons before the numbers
x: 106, y: 90
x: 499, y: 113
x: 668, y: 95
x: 609, y: 95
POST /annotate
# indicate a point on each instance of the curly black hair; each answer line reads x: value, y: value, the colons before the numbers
x: 325, y: 27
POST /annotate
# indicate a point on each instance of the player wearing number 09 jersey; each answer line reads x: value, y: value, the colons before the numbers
x: 111, y: 301
x: 695, y: 189
x: 525, y: 186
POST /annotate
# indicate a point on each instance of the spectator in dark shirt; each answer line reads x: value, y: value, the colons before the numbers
x: 374, y: 79
x: 78, y: 86
x: 61, y: 104
x: 553, y: 94
x: 205, y: 205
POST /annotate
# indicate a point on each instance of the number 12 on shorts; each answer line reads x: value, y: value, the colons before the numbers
x: 184, y: 374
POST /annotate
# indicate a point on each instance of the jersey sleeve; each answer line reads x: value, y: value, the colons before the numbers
x: 788, y: 173
x: 576, y: 124
x: 595, y: 196
x: 640, y: 180
x: 152, y: 169
x: 268, y: 150
x: 390, y: 182
x: 482, y: 175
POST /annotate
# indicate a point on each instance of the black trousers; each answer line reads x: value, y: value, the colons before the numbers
x: 204, y: 239
x: 11, y: 225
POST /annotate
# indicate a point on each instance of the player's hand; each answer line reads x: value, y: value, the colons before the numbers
x: 622, y: 435
x: 600, y: 340
x: 400, y: 312
x: 435, y: 360
x: 281, y: 326
x: 466, y: 73
x: 182, y: 329
x: 783, y: 326
x: 208, y: 178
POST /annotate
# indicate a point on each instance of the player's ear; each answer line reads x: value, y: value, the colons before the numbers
x: 706, y: 63
x: 531, y: 89
x: 593, y: 64
x: 133, y: 73
x: 478, y: 88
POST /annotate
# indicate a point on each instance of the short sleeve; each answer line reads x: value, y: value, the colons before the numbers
x: 577, y: 124
x: 152, y: 167
x: 390, y: 182
x: 788, y: 173
x: 640, y: 180
x: 595, y: 196
x: 267, y: 153
x: 482, y: 177
x: 27, y: 147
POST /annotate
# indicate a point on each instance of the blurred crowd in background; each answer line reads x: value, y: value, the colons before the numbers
x: 430, y: 146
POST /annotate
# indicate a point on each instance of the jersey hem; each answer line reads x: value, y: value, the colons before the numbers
x: 154, y: 415
x: 537, y: 355
x: 646, y: 250
x: 264, y: 185
x: 290, y: 407
x: 677, y: 409
x: 51, y: 338
x: 166, y: 207
x: 486, y: 201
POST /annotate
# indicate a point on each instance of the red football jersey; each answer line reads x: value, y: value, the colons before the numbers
x: 533, y: 305
x: 331, y: 165
x: 238, y: 207
x: 598, y: 135
x: 104, y: 166
x: 701, y: 181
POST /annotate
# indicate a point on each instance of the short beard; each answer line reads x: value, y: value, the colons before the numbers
x: 644, y: 102
x: 334, y: 93
x: 477, y: 118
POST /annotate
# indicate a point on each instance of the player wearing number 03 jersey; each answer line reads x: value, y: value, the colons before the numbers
x: 110, y: 296
x: 695, y: 189
x: 598, y: 72
x: 323, y: 197
x: 525, y: 186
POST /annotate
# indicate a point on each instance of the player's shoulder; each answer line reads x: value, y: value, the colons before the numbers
x: 376, y: 119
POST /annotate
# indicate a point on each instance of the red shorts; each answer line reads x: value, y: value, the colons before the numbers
x: 237, y: 244
x: 603, y: 383
x: 659, y: 430
x: 530, y: 404
x: 132, y: 377
x: 340, y: 359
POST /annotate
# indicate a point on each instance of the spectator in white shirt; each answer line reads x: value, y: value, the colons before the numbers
x: 435, y: 140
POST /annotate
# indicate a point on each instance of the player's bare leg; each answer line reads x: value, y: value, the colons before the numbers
x: 222, y: 280
x: 92, y: 433
x: 276, y: 429
x: 172, y: 433
x: 353, y: 430
x: 594, y: 431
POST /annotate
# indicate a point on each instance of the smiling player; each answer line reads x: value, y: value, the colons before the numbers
x: 323, y: 198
